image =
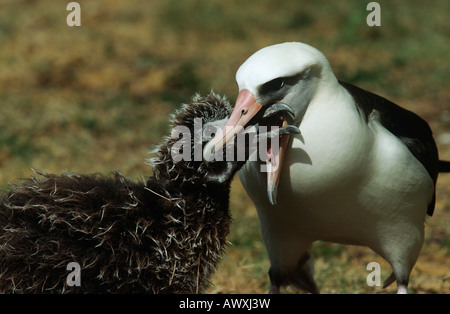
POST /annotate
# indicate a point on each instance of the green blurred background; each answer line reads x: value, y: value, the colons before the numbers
x: 96, y: 98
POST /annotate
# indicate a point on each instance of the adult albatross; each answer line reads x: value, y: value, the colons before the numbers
x: 362, y: 171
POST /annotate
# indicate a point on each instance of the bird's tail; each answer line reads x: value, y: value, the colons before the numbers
x: 444, y: 166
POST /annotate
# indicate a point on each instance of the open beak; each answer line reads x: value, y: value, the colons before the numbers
x: 245, y: 109
x: 274, y: 164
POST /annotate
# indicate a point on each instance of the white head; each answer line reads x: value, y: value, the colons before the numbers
x: 290, y: 73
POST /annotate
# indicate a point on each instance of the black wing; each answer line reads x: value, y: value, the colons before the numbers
x: 406, y: 125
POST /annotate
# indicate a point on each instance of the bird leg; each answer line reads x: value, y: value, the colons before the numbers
x: 274, y: 289
x: 402, y: 289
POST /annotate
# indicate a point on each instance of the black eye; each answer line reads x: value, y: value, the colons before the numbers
x: 272, y: 86
x: 209, y: 131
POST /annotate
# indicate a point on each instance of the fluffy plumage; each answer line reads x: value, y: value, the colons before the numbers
x: 165, y: 235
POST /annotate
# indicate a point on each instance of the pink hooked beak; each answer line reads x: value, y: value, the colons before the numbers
x: 245, y: 109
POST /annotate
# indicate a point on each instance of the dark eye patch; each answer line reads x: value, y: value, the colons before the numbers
x: 272, y: 86
x: 277, y: 84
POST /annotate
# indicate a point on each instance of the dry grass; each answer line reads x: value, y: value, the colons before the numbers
x: 96, y: 98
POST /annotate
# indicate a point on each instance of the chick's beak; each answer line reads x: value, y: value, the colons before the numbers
x: 245, y: 109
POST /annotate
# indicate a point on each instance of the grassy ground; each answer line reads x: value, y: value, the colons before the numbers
x: 96, y: 98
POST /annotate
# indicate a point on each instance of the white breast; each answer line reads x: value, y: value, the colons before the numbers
x: 342, y: 179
